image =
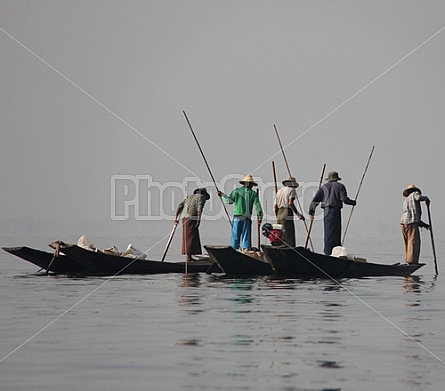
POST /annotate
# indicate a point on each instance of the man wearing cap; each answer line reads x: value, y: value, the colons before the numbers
x: 243, y: 198
x: 332, y: 196
x: 411, y: 221
x: 191, y: 210
x: 285, y: 209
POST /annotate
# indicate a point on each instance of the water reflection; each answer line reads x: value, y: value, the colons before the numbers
x: 412, y: 284
x: 416, y: 374
x: 242, y: 340
x: 281, y: 283
x: 191, y: 280
x: 333, y: 286
x: 189, y: 342
x: 191, y: 297
x: 242, y: 288
x: 329, y: 364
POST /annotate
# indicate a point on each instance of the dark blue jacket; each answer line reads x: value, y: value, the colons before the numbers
x: 331, y: 195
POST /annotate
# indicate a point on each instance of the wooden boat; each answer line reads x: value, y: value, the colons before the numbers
x: 75, y: 260
x: 237, y: 264
x: 42, y: 259
x: 299, y: 262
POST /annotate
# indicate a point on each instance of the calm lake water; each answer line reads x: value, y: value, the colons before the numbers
x: 200, y: 332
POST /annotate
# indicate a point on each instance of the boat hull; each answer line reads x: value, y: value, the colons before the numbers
x: 98, y: 263
x: 74, y: 260
x: 299, y: 262
x: 236, y: 264
x: 61, y: 264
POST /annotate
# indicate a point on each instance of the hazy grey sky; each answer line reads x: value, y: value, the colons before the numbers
x: 92, y: 89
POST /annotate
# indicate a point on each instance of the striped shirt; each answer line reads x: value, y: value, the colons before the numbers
x: 193, y: 204
x: 412, y: 211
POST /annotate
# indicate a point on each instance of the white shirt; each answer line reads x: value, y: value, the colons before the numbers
x: 283, y: 196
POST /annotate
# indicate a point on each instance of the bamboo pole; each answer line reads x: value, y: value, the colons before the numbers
x: 432, y: 238
x: 169, y: 241
x: 207, y: 164
x: 358, y: 192
x: 312, y: 220
x: 288, y: 170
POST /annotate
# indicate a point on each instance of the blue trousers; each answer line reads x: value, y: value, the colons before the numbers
x: 241, y: 231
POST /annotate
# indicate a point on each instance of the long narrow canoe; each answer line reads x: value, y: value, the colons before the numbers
x: 61, y: 265
x: 300, y: 262
x: 75, y: 260
x: 237, y: 264
x: 100, y: 264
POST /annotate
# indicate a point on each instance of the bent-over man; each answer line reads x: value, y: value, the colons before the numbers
x: 191, y: 211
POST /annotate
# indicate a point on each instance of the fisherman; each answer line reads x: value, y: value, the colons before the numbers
x: 191, y: 211
x: 411, y: 221
x: 243, y: 198
x: 332, y: 196
x: 285, y: 209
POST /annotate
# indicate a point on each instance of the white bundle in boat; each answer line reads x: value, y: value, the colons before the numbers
x: 113, y: 250
x: 85, y: 243
x: 341, y: 252
x: 133, y: 252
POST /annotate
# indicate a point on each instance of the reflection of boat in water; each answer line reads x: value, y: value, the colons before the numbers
x: 71, y: 259
x: 299, y: 262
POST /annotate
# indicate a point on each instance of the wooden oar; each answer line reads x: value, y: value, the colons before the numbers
x: 358, y: 192
x: 312, y: 220
x: 288, y: 170
x: 169, y: 241
x: 207, y: 164
x: 432, y: 238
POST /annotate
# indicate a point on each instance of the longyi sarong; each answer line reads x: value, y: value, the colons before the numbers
x: 411, y: 237
x: 191, y: 243
x: 285, y: 217
x: 332, y: 229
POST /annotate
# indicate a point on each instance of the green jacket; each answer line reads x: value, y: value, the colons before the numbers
x: 244, y: 199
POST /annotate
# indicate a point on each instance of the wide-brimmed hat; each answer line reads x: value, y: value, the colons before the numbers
x: 202, y: 191
x: 290, y: 182
x: 333, y: 176
x: 409, y: 189
x: 248, y: 179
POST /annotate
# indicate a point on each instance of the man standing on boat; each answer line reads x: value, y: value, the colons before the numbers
x: 243, y: 198
x: 191, y: 211
x: 411, y: 221
x: 285, y: 209
x: 332, y: 196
